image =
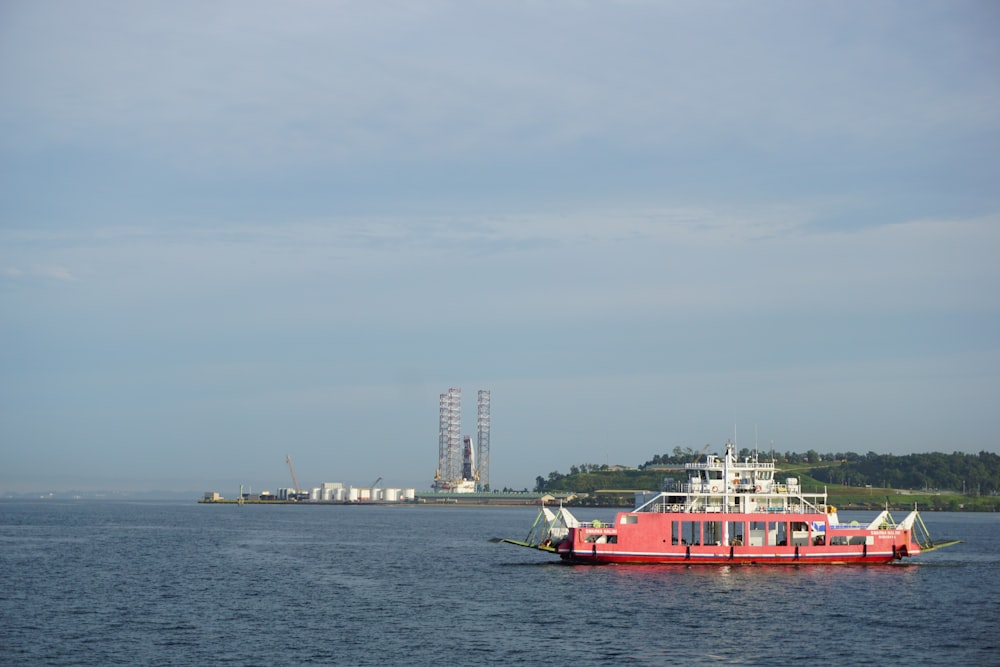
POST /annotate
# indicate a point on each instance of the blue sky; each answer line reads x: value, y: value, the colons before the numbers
x: 235, y: 230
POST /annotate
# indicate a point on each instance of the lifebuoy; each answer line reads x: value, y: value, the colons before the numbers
x: 715, y: 489
x: 675, y: 508
x: 758, y: 488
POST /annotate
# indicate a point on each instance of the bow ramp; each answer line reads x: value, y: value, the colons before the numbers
x: 549, y: 529
x: 921, y: 535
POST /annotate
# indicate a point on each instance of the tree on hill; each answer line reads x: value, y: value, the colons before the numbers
x: 971, y: 474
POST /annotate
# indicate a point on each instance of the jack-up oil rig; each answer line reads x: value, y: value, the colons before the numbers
x: 462, y: 468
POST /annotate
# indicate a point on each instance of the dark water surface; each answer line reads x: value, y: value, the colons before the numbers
x: 144, y: 583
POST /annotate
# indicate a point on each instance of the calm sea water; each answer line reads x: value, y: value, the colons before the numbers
x: 119, y: 583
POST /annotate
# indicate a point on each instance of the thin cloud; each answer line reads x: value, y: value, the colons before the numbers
x: 594, y: 265
x: 445, y: 80
x: 56, y: 273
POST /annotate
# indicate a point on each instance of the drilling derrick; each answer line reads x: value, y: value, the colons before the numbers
x: 483, y: 440
x: 468, y: 460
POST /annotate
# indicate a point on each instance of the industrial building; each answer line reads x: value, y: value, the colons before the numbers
x: 333, y: 493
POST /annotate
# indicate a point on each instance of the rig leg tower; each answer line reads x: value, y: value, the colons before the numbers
x: 449, y: 470
x: 483, y: 440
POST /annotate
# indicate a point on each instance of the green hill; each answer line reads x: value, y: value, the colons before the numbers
x: 935, y: 481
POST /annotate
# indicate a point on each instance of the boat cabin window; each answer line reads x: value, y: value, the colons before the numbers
x: 601, y: 539
x: 758, y: 533
x: 713, y: 532
x: 777, y: 533
x: 800, y: 533
x: 740, y: 533
x: 685, y: 532
x: 734, y: 533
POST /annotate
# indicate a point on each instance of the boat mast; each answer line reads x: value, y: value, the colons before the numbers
x: 725, y: 489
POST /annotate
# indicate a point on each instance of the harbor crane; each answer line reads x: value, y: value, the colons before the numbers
x: 288, y: 460
x: 696, y: 459
x: 375, y: 483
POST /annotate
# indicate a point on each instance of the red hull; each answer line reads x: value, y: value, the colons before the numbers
x: 725, y: 559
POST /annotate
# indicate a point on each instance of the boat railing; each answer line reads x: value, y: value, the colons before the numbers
x: 717, y: 487
x: 666, y: 507
x: 738, y: 465
x: 791, y: 508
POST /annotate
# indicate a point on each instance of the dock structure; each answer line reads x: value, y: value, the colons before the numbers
x: 330, y: 493
x: 372, y: 496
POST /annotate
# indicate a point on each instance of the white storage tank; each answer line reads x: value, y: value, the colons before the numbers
x: 353, y: 495
x: 409, y: 494
x: 391, y: 495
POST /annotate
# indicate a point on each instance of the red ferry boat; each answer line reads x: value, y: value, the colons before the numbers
x: 729, y: 512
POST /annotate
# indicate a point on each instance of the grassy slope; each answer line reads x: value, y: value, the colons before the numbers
x: 843, y: 497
